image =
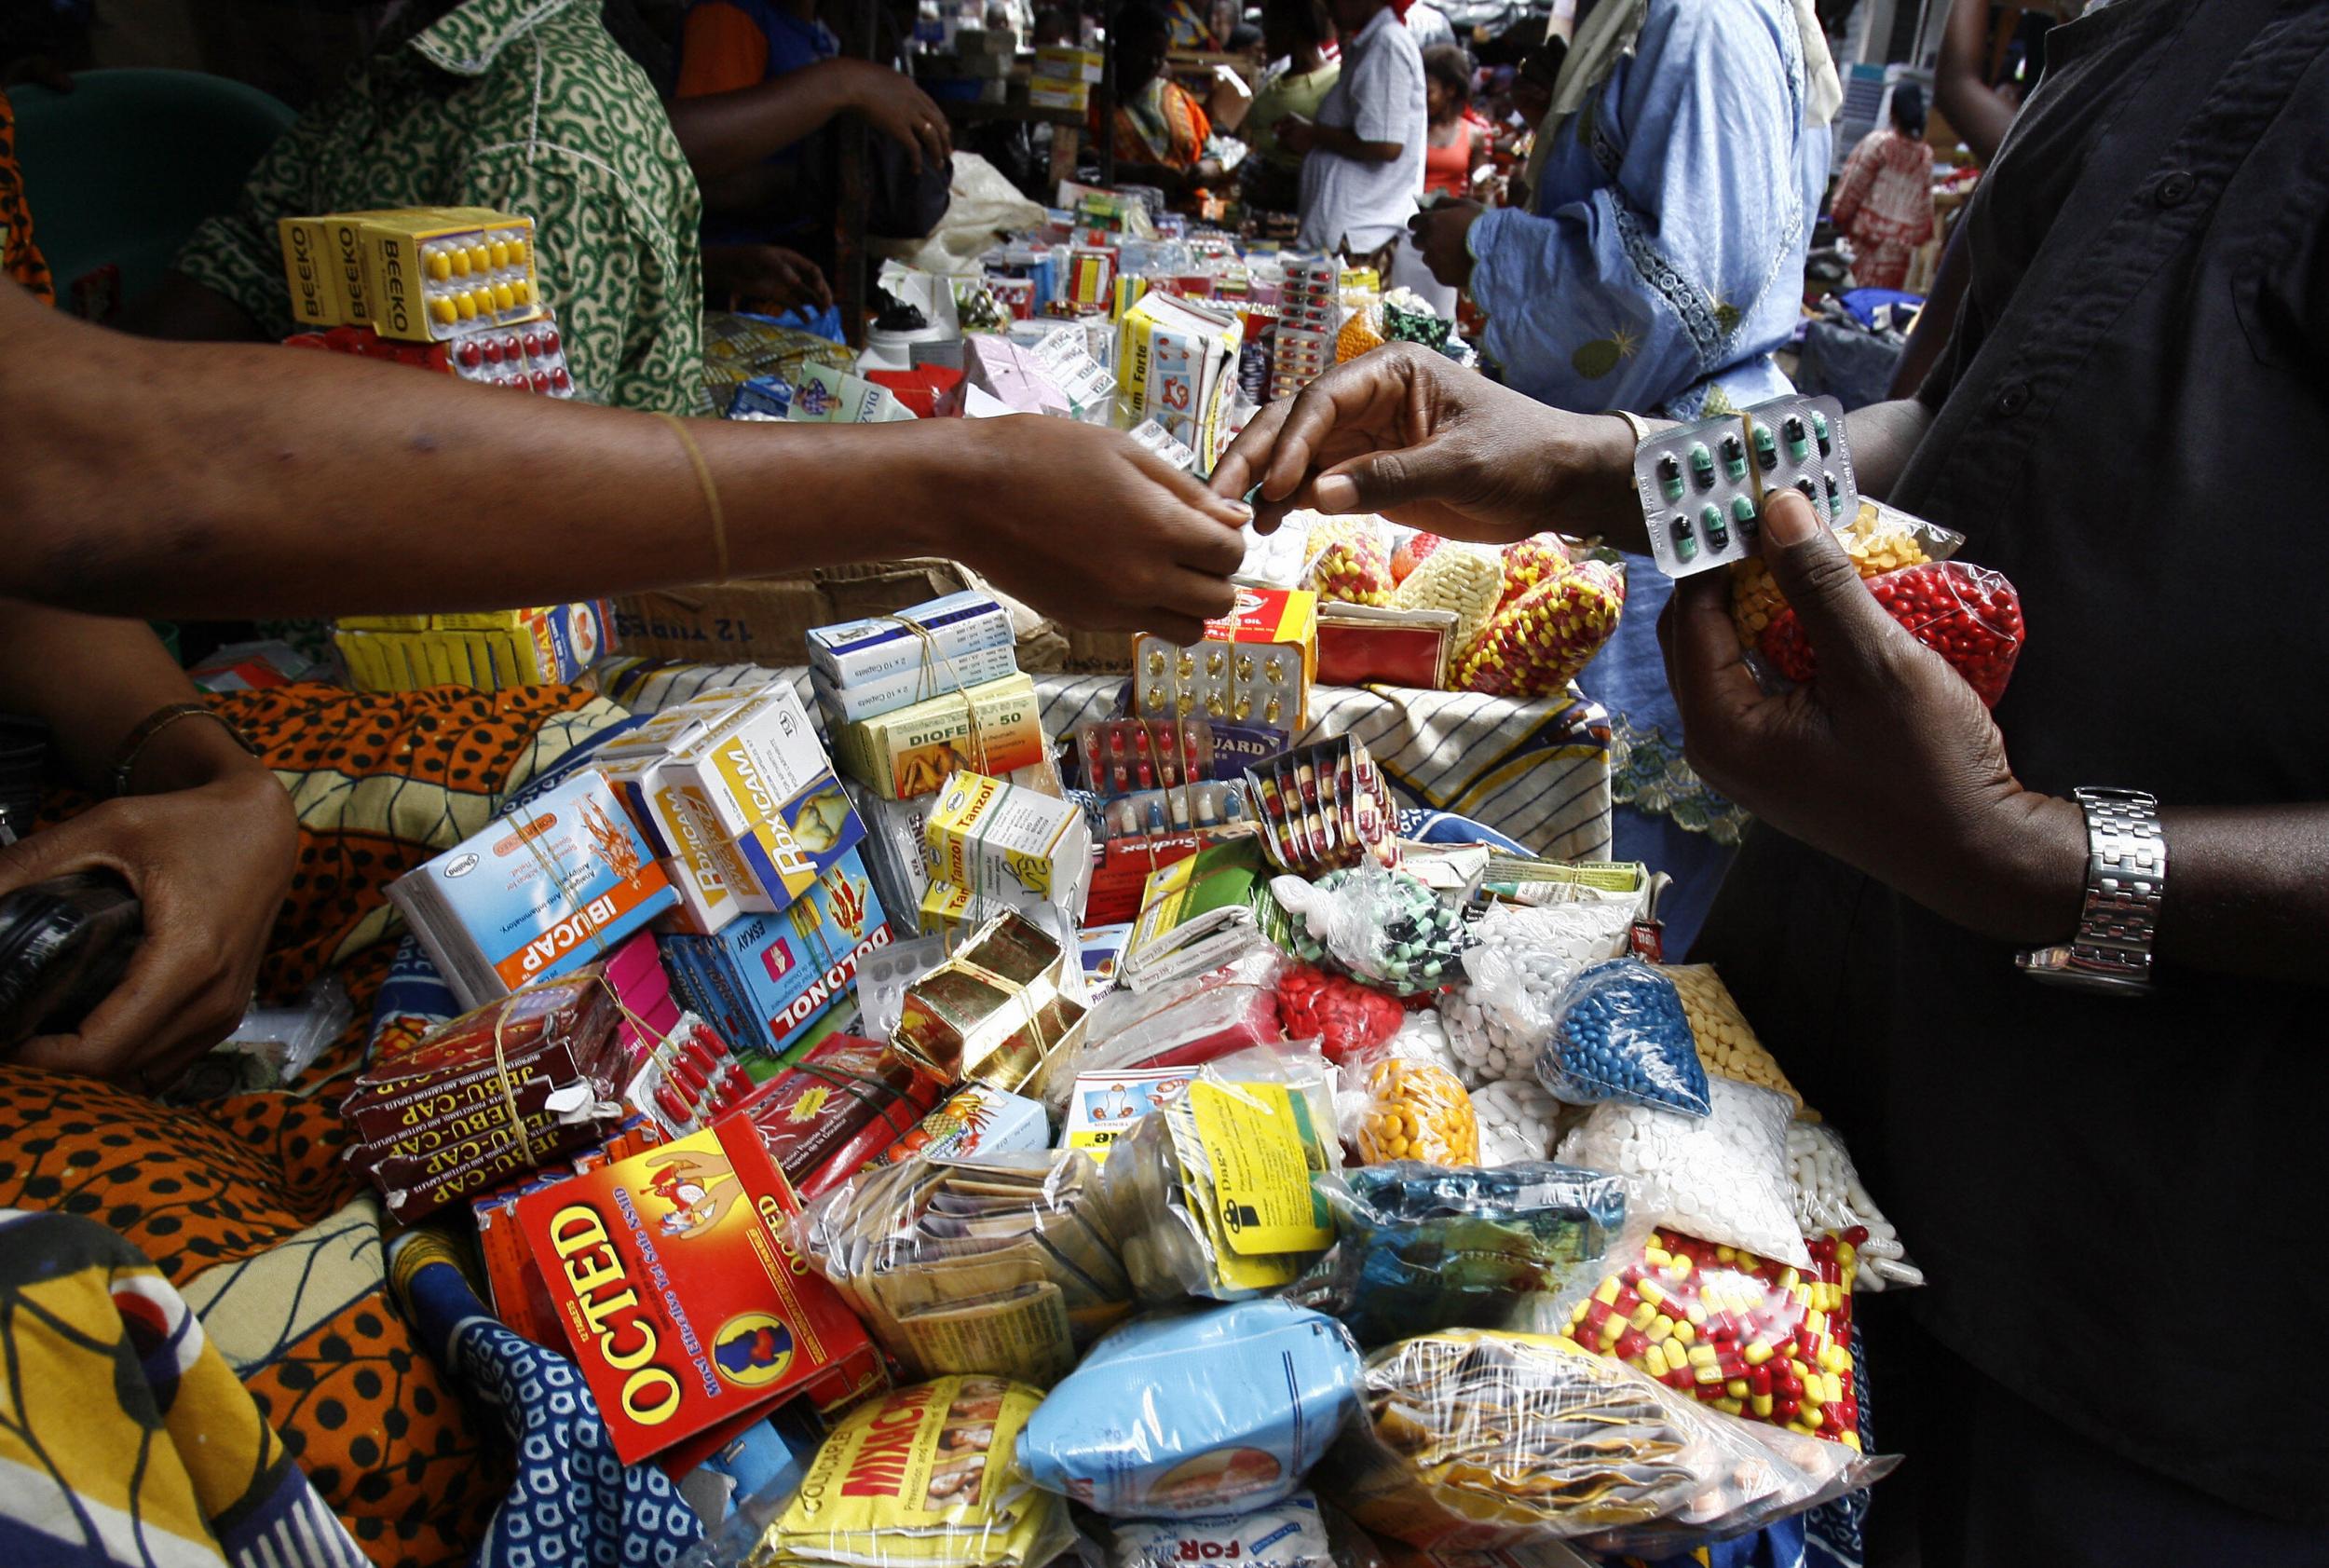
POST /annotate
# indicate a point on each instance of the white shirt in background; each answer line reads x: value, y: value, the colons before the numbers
x: 1352, y: 205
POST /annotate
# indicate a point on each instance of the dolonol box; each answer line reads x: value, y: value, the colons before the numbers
x: 763, y: 979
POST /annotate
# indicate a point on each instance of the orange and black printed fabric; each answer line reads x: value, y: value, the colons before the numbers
x: 242, y: 1205
x: 19, y: 258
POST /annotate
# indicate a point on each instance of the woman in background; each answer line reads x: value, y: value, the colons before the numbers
x: 1453, y: 146
x: 1160, y: 130
x: 1884, y: 204
x: 1302, y: 34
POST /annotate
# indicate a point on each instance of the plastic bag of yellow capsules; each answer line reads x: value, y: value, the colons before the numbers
x: 920, y: 1479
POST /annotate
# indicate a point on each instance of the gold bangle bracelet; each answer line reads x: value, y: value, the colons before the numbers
x: 711, y: 493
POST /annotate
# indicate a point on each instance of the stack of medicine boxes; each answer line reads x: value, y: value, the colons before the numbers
x: 735, y: 794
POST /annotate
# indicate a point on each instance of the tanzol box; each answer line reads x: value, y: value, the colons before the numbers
x: 763, y: 978
x: 1003, y: 842
x: 540, y: 893
x: 880, y: 664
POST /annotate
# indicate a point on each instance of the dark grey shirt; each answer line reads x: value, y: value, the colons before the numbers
x: 2117, y: 1202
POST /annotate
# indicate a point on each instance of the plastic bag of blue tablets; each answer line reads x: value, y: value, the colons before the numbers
x: 1181, y: 1414
x: 1619, y: 1032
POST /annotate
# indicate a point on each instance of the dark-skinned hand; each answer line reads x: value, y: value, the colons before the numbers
x: 1886, y: 761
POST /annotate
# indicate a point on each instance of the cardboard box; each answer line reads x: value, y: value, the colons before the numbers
x: 318, y: 296
x: 1177, y: 364
x: 535, y: 895
x: 864, y: 668
x: 762, y: 980
x: 1065, y: 65
x: 433, y: 273
x: 766, y: 620
x: 695, y: 1226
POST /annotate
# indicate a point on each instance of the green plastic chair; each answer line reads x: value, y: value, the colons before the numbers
x: 121, y: 169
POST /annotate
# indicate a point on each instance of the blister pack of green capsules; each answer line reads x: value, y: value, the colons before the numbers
x: 1703, y: 488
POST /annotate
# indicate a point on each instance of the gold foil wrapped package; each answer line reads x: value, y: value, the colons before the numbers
x: 993, y: 1011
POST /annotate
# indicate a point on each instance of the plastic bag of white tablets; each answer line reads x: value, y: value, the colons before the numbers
x: 1487, y: 1051
x: 1828, y: 1196
x: 1515, y: 1119
x: 1723, y: 1178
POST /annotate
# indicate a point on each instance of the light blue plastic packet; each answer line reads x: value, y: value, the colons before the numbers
x: 1209, y: 1410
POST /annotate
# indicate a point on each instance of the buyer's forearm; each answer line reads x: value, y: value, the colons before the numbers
x: 91, y: 680
x: 2247, y: 889
x: 153, y: 479
x: 1347, y: 142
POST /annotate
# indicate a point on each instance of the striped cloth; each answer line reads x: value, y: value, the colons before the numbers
x: 1536, y: 772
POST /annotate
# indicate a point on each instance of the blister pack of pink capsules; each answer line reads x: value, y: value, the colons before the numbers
x: 689, y: 1079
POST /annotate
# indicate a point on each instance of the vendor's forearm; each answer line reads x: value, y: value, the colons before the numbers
x: 91, y: 680
x: 722, y: 132
x: 589, y: 502
x: 2247, y: 890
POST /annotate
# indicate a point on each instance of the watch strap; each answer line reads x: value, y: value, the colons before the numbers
x: 2126, y: 882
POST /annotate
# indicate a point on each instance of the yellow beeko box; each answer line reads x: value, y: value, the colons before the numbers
x: 318, y: 297
x: 433, y: 273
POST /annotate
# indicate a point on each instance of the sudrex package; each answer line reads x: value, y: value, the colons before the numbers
x: 1209, y: 1410
x: 681, y: 1299
x: 762, y: 979
x: 537, y: 894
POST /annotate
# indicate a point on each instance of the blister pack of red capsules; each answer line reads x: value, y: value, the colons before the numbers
x: 1325, y: 806
x: 529, y: 356
x: 687, y: 1079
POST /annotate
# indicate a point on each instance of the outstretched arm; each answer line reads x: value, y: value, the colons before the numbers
x: 148, y: 479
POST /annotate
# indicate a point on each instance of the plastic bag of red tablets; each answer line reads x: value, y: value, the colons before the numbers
x: 1970, y: 615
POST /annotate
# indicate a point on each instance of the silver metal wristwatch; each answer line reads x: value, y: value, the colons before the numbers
x: 2126, y: 879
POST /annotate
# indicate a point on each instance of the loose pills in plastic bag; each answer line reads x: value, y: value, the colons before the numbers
x: 1721, y: 1177
x: 1619, y: 1032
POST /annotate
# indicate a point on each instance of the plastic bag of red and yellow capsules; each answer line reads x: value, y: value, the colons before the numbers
x: 1879, y: 540
x: 1970, y: 615
x: 1539, y: 640
x: 1349, y: 560
x: 1751, y: 1336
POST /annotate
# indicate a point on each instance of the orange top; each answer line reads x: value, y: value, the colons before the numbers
x: 722, y: 50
